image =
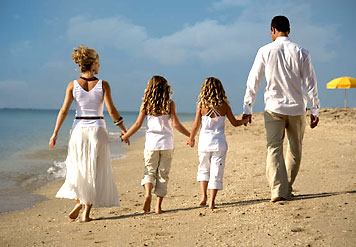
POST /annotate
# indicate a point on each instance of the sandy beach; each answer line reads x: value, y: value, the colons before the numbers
x: 321, y: 214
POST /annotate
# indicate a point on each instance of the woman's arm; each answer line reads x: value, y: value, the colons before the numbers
x: 62, y: 114
x: 195, y: 128
x: 175, y: 120
x: 136, y: 126
x: 113, y: 112
x: 235, y: 122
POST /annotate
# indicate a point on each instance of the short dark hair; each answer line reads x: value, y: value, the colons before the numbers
x: 281, y: 23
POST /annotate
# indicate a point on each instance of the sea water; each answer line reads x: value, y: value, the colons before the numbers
x: 26, y: 162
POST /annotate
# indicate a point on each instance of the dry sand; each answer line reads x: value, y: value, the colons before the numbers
x: 322, y: 213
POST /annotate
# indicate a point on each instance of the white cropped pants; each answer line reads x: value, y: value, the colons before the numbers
x: 211, y: 168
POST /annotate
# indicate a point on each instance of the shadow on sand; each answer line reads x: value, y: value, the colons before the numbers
x: 232, y: 204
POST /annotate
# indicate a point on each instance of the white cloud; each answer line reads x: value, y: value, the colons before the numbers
x: 207, y: 41
x: 223, y: 4
x: 113, y: 32
x: 317, y: 40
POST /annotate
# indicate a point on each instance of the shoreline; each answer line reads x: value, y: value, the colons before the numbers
x: 31, y: 193
x: 321, y: 214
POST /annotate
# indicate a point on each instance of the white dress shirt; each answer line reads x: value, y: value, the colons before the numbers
x: 290, y: 77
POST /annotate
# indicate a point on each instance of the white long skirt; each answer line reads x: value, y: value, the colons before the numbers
x: 89, y: 175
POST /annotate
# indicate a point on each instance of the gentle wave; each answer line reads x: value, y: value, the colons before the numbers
x: 118, y: 156
x: 58, y: 169
x: 115, y: 135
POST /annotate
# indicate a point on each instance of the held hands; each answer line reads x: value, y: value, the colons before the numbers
x: 124, y: 137
x: 314, y: 120
x: 248, y: 117
x: 191, y: 142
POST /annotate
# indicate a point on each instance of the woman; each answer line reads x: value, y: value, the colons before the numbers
x: 89, y: 177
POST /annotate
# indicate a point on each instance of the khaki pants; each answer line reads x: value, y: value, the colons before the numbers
x: 157, y: 167
x: 281, y: 173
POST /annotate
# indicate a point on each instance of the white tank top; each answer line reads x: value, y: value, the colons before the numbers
x: 212, y: 133
x: 159, y: 134
x: 89, y: 104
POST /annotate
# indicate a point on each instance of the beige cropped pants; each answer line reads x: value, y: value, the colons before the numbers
x: 157, y: 167
x: 281, y: 172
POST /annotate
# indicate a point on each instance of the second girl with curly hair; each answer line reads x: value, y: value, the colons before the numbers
x: 160, y: 112
x: 212, y: 108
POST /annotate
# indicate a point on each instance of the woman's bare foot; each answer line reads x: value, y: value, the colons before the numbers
x: 147, y: 203
x: 86, y: 213
x: 75, y: 212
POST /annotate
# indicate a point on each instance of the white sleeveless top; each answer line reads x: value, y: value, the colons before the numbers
x: 159, y: 133
x: 89, y: 104
x: 212, y: 133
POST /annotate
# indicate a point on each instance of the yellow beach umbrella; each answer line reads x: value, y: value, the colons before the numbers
x: 342, y: 82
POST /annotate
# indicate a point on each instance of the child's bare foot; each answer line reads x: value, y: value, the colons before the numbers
x: 75, y: 212
x: 85, y: 219
x: 147, y: 203
x: 202, y: 201
x: 158, y: 210
x: 212, y: 205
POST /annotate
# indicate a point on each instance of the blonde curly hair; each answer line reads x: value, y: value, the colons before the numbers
x: 84, y: 57
x: 156, y: 100
x: 212, y: 94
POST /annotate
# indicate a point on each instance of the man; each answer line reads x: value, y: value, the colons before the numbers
x: 290, y: 82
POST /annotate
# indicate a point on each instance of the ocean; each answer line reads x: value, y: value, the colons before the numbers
x: 26, y: 162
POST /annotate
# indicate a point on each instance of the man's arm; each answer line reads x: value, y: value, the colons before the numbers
x: 254, y: 81
x: 311, y: 89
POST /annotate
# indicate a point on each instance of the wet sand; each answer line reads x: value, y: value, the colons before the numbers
x: 321, y: 214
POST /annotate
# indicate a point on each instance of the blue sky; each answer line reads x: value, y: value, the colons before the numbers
x: 185, y: 41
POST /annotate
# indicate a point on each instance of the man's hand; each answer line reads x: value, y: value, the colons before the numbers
x: 314, y: 120
x: 249, y: 116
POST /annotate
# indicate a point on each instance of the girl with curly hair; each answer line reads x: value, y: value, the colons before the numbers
x: 212, y: 108
x: 160, y: 113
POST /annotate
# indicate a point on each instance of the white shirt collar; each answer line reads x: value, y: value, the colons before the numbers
x: 282, y: 38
